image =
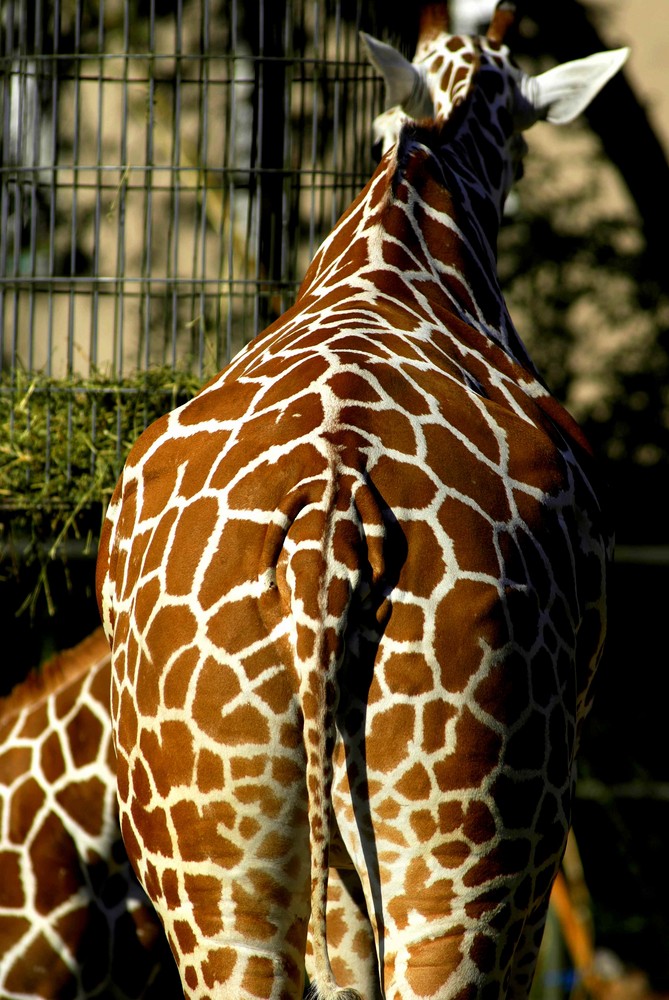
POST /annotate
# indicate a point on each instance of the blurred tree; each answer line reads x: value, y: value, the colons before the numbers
x: 569, y: 30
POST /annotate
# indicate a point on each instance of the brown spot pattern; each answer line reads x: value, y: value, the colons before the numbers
x: 373, y: 602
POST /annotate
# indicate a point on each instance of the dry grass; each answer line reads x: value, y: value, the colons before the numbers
x: 63, y: 444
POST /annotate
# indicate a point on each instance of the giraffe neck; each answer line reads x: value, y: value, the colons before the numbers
x: 423, y: 233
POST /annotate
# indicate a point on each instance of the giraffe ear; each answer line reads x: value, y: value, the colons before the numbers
x: 405, y: 84
x: 560, y: 94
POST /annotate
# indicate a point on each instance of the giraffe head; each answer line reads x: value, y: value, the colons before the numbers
x: 451, y: 75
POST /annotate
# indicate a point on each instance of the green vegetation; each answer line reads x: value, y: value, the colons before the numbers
x: 62, y: 448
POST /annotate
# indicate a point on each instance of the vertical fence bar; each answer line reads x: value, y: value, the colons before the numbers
x: 120, y: 207
x: 145, y: 283
x: 313, y: 163
x: 174, y: 222
x: 201, y: 167
x: 287, y: 221
x: 4, y: 178
x: 272, y: 83
x: 229, y: 182
x: 100, y: 182
x: 53, y: 177
x: 15, y: 143
x: 243, y: 154
x: 76, y: 141
x: 33, y: 159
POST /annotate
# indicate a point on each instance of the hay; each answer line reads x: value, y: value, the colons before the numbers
x: 62, y: 448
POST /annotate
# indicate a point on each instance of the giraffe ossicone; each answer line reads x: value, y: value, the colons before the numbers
x: 355, y: 591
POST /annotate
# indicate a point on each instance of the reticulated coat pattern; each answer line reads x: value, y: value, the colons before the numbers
x: 355, y: 595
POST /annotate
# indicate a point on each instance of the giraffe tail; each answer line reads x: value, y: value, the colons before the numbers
x: 320, y: 697
x: 321, y: 587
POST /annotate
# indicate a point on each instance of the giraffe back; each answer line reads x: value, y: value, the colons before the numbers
x: 74, y: 921
x: 355, y: 591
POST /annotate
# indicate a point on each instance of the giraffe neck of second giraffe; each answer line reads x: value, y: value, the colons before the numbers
x: 423, y: 230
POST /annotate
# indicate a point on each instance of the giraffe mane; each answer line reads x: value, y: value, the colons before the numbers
x: 431, y: 133
x: 56, y: 672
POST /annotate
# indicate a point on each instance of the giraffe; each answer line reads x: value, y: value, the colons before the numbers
x: 355, y: 589
x: 74, y: 921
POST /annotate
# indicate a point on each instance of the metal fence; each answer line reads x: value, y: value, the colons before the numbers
x: 167, y: 170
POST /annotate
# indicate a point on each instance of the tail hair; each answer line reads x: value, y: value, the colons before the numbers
x: 319, y: 609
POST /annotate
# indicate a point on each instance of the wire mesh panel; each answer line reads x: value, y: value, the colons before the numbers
x: 167, y: 171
